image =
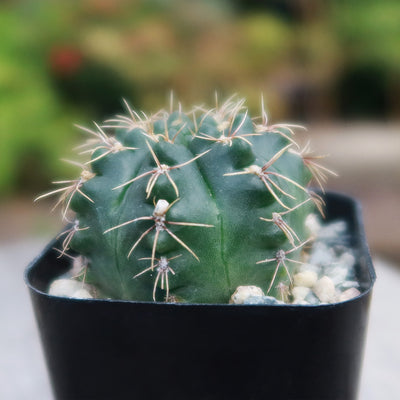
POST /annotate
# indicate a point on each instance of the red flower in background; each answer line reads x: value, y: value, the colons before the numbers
x: 65, y: 60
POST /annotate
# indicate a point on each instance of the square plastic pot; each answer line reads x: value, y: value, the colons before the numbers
x: 109, y: 349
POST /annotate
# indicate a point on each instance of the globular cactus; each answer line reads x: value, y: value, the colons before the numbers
x: 187, y: 207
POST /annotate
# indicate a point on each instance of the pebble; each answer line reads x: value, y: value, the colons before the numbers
x: 309, y: 267
x: 325, y: 290
x: 301, y: 303
x: 330, y: 259
x: 267, y: 300
x: 312, y: 298
x: 349, y: 294
x: 338, y: 274
x: 244, y: 292
x: 69, y: 288
x: 313, y: 224
x: 331, y: 231
x: 322, y: 254
x: 349, y: 284
x: 306, y: 278
x: 82, y: 294
x: 347, y: 260
x: 300, y: 293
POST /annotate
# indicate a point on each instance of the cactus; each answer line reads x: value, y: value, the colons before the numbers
x: 186, y: 207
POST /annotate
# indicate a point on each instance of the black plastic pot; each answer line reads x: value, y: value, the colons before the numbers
x: 107, y: 349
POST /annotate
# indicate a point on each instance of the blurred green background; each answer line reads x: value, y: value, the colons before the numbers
x: 333, y: 65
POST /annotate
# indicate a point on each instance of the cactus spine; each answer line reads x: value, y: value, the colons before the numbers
x: 189, y: 206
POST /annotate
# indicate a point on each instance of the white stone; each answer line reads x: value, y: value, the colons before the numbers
x: 347, y: 260
x: 300, y: 293
x: 325, y: 290
x: 268, y: 300
x: 64, y: 287
x: 244, y: 292
x: 309, y: 267
x: 332, y: 231
x: 312, y: 298
x: 301, y: 302
x: 338, y: 274
x: 321, y: 254
x: 349, y: 294
x: 312, y: 224
x: 349, y: 284
x: 82, y: 294
x: 305, y: 278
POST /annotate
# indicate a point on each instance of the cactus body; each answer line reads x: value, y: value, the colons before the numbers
x: 190, y: 208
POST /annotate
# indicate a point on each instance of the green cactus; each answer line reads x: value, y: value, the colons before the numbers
x: 187, y: 207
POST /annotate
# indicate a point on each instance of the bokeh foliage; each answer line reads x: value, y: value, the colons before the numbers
x: 65, y: 62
